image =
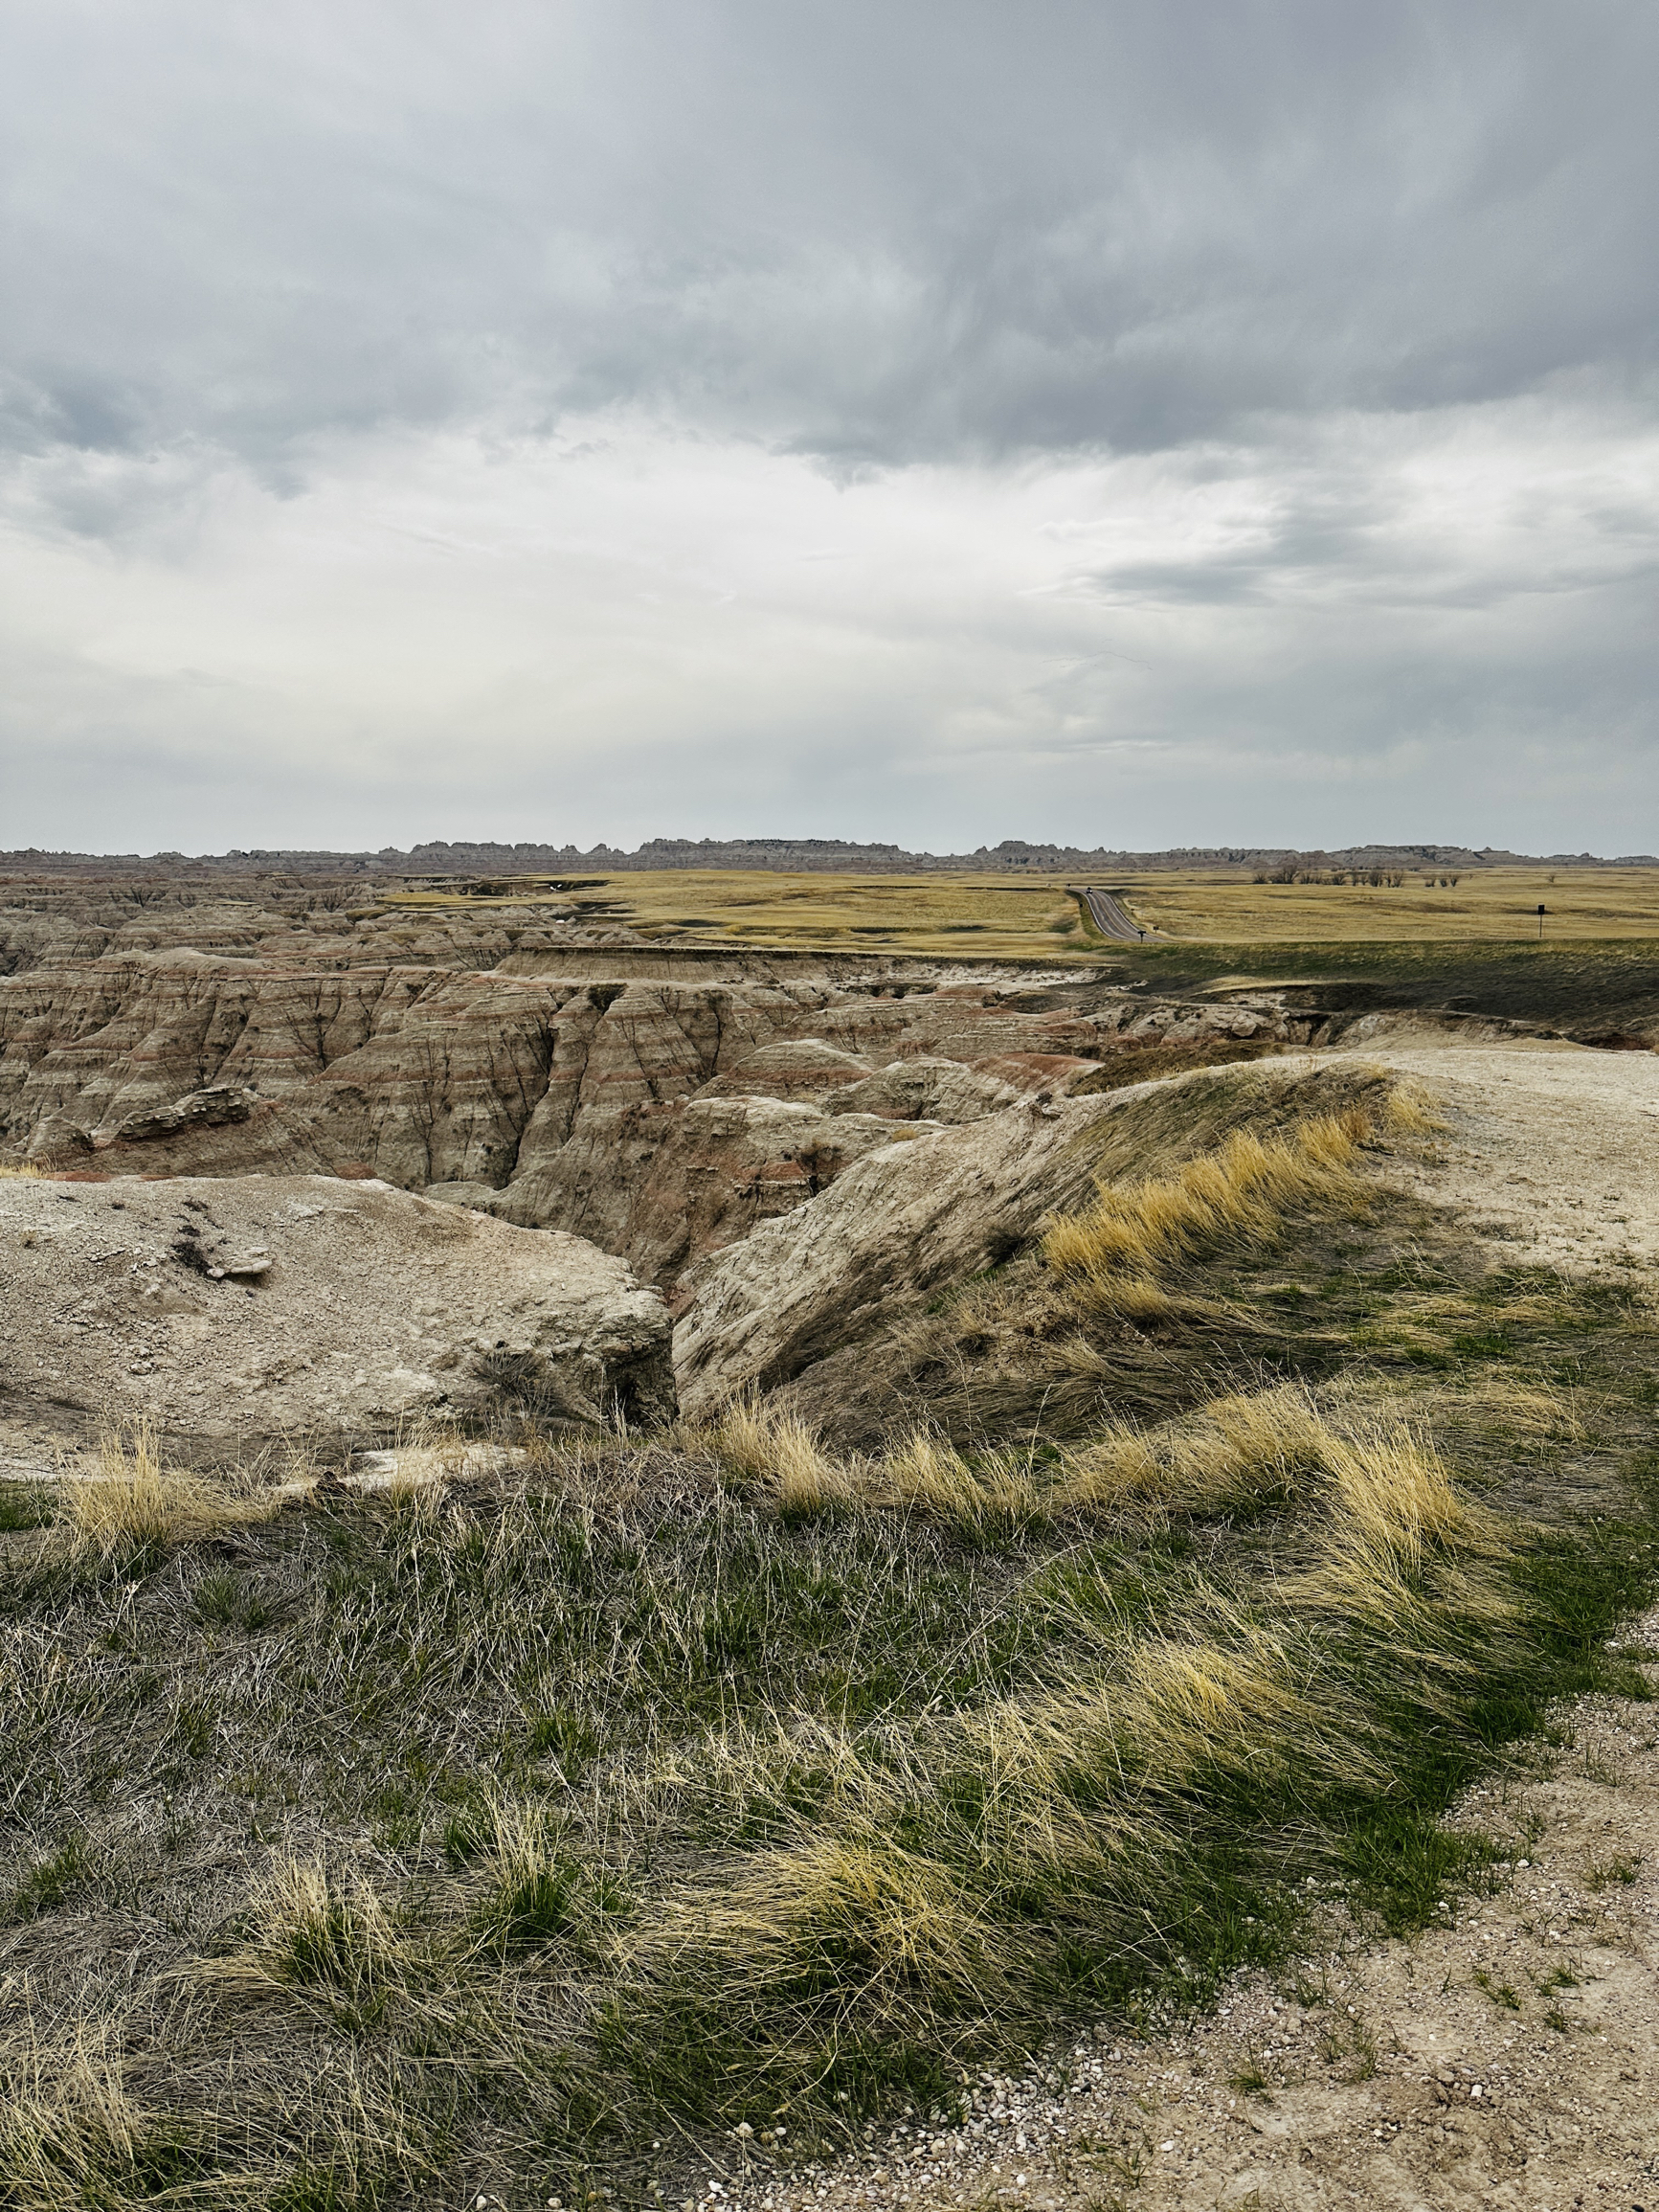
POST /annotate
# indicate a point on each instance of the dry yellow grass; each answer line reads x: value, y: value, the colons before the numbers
x: 1385, y: 1488
x: 62, y: 2139
x: 338, y: 1940
x: 135, y: 1499
x: 846, y: 1896
x: 1114, y: 1252
x: 997, y: 1489
x: 1497, y: 1407
x: 1271, y: 1446
x: 21, y: 1171
x: 1092, y: 1779
x: 774, y: 1450
x: 1405, y: 1552
x: 1033, y: 917
x: 1200, y: 1706
x: 1240, y: 1447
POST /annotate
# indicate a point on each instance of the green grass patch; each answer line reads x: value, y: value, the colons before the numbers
x: 23, y: 1505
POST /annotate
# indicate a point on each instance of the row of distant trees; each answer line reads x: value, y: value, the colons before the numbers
x: 1376, y: 878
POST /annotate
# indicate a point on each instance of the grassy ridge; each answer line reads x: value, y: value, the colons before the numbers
x: 1585, y: 989
x: 720, y: 1779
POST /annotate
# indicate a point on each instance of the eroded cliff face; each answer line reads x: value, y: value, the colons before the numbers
x: 501, y: 1066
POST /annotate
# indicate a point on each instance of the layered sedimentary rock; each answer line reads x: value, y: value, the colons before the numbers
x: 259, y: 1306
x: 663, y: 1115
x: 666, y: 1182
x: 898, y: 1224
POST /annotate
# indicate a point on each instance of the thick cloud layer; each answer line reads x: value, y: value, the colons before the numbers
x: 947, y: 421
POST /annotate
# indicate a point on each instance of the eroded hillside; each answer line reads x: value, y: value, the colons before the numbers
x: 659, y: 1103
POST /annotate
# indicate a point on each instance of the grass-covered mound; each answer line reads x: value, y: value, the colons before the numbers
x: 502, y: 1832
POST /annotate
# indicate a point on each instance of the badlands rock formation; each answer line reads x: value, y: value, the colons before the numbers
x: 246, y: 1091
x: 804, y: 1297
x: 908, y: 1220
x: 229, y: 1311
x: 660, y: 1105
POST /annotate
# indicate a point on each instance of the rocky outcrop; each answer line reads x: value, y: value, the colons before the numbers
x: 903, y: 1222
x: 669, y: 1184
x: 927, y: 1088
x: 264, y: 1306
x: 220, y: 1106
x: 798, y: 1068
x: 661, y: 1115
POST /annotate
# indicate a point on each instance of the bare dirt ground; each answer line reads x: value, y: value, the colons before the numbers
x: 1508, y: 2058
x: 1552, y: 1146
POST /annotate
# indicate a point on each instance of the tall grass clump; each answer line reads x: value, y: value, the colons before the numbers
x: 136, y: 1503
x: 992, y: 1494
x: 1114, y: 1252
x: 1243, y: 1448
x: 531, y: 1897
x: 774, y: 1450
x: 1411, y: 1559
x: 76, y: 2138
x: 337, y: 1940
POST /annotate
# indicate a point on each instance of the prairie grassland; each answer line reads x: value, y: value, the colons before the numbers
x: 1486, y: 905
x: 508, y: 1836
x: 969, y: 917
x: 1003, y: 917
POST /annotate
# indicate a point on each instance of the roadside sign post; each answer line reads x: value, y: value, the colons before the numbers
x: 1542, y: 910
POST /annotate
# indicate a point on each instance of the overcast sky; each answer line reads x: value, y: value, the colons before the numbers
x: 1202, y: 421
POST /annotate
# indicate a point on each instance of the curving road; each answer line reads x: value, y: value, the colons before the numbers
x: 1109, y: 917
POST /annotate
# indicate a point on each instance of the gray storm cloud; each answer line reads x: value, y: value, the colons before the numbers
x: 1328, y: 330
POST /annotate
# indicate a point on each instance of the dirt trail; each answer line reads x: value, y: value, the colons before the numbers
x: 1550, y: 1147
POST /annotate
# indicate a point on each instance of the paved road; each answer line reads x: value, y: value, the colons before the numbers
x: 1110, y: 918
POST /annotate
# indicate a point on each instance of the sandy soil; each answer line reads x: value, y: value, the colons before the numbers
x: 1553, y: 1147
